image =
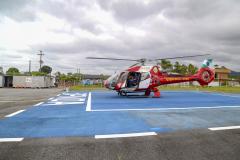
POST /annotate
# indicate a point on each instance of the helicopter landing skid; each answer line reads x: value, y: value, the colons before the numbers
x: 146, y: 94
x: 130, y: 94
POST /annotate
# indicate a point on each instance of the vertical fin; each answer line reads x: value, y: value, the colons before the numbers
x: 207, y: 63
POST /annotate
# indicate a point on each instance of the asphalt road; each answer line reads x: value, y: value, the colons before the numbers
x: 200, y: 144
x: 197, y: 145
x: 12, y: 100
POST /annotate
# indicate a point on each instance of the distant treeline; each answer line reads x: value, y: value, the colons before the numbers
x: 178, y: 68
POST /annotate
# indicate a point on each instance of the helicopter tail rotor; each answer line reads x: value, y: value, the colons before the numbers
x: 206, y: 74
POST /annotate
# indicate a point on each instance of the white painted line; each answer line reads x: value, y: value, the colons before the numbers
x: 51, y: 98
x: 162, y: 109
x: 88, y: 107
x: 125, y: 135
x: 59, y: 95
x: 38, y: 104
x: 82, y: 99
x: 11, y: 139
x: 13, y: 114
x: 224, y: 128
x: 62, y: 103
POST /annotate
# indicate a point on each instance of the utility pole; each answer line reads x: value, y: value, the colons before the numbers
x: 29, y: 67
x: 78, y: 74
x: 40, y: 60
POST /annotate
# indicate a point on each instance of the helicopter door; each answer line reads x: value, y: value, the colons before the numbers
x: 133, y: 80
x: 145, y: 80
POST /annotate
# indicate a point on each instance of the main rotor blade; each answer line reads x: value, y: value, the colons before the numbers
x: 134, y: 64
x: 199, y: 55
x: 118, y: 59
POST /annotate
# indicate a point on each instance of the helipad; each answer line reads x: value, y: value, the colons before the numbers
x: 101, y: 113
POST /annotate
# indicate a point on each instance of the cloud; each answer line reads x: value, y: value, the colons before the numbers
x: 19, y: 10
x: 69, y: 31
x: 134, y: 10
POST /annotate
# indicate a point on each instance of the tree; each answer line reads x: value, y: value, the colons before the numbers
x: 46, y: 69
x: 166, y: 65
x: 192, y: 69
x: 183, y: 69
x: 69, y: 73
x: 36, y: 73
x: 1, y: 70
x: 70, y: 77
x: 177, y: 67
x: 13, y: 71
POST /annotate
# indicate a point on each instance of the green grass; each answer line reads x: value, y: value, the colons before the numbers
x: 223, y: 89
x: 87, y: 87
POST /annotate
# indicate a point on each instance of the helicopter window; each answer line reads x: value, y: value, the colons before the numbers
x: 123, y: 77
x: 133, y: 79
x: 144, y: 76
x: 113, y: 79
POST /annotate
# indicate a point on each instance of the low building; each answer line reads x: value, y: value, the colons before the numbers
x: 223, y: 77
x: 222, y: 73
x: 1, y: 81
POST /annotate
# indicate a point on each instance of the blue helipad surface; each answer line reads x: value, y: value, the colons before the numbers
x: 169, y: 100
x: 108, y: 113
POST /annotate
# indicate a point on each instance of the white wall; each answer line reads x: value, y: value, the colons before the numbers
x: 1, y: 81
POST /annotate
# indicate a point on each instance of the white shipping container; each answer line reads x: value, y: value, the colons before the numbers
x: 31, y: 82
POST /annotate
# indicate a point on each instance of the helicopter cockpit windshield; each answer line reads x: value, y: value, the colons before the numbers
x: 115, y: 79
x: 123, y: 77
x: 112, y: 81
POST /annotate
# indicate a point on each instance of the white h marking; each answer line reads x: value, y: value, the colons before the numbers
x: 13, y: 114
x: 88, y: 108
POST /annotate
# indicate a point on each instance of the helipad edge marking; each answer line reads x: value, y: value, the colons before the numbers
x: 11, y: 139
x: 161, y: 109
x: 88, y: 107
x: 125, y: 135
x: 224, y: 128
x: 15, y: 113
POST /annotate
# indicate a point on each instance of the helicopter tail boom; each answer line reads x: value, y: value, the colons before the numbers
x: 204, y: 76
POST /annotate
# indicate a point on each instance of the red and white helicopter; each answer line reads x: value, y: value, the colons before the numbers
x: 144, y: 78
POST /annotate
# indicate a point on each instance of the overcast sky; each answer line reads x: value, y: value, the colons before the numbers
x: 69, y: 30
